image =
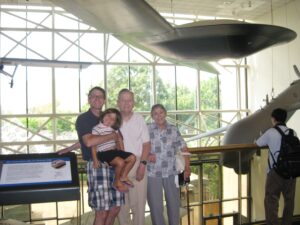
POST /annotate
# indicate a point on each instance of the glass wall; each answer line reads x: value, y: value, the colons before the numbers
x: 41, y: 103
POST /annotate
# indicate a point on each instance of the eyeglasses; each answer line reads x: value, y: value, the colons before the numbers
x: 96, y: 97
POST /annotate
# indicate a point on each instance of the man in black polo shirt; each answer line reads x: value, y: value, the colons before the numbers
x: 103, y: 198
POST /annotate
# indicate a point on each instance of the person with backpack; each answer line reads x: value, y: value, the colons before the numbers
x: 275, y: 183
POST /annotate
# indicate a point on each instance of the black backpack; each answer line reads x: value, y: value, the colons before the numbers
x: 288, y: 161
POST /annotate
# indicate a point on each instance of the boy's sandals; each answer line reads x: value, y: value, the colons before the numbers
x: 128, y: 183
x: 120, y: 188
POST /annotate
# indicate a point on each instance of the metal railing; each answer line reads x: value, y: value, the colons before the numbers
x: 195, y: 196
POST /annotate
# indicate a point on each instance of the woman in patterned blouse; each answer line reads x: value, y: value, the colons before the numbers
x: 165, y: 140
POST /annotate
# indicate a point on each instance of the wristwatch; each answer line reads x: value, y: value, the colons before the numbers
x: 144, y: 162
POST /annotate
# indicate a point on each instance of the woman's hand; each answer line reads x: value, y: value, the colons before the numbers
x: 187, y: 173
x: 152, y: 158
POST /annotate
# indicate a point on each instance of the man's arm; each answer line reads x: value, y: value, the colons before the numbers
x: 140, y: 173
x: 96, y: 162
x: 145, y: 151
x: 91, y: 140
x: 69, y: 149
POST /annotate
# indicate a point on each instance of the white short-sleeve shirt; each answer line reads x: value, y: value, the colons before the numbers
x: 135, y: 134
x: 272, y: 139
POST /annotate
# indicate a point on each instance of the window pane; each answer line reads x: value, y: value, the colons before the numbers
x: 188, y: 123
x: 147, y: 118
x: 186, y: 88
x: 243, y: 88
x: 165, y: 86
x: 230, y: 183
x: 13, y: 98
x: 209, y: 98
x: 44, y: 19
x: 116, y: 50
x: 39, y: 90
x: 65, y: 21
x: 230, y: 117
x: 89, y: 78
x: 245, y: 209
x: 244, y: 185
x: 211, y: 209
x: 117, y: 79
x: 230, y: 207
x: 13, y: 129
x: 211, y: 181
x: 211, y: 121
x: 228, y: 90
x: 66, y: 46
x: 13, y: 20
x: 9, y: 44
x: 137, y: 55
x: 39, y: 128
x: 65, y: 128
x: 14, y: 149
x: 91, y: 47
x: 22, y: 215
x: 66, y: 90
x: 39, y: 49
x: 46, y: 148
x: 140, y: 84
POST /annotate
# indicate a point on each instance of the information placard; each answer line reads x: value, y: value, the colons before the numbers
x: 47, y: 174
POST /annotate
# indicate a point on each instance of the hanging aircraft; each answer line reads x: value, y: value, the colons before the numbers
x: 195, y: 44
x: 247, y: 130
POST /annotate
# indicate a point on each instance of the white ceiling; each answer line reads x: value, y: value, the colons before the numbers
x: 238, y: 9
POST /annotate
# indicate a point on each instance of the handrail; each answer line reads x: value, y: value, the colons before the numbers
x: 223, y: 148
x: 205, y: 150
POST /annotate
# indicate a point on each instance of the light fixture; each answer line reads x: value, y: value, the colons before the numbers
x: 38, y: 63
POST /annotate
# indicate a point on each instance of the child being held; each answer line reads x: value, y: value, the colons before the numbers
x: 112, y: 152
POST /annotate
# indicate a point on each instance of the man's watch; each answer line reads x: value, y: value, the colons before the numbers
x: 144, y: 162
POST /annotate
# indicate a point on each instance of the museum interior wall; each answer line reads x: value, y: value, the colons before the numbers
x: 271, y: 71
